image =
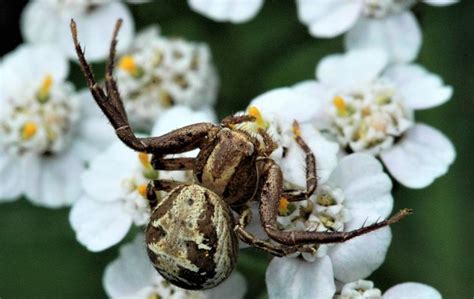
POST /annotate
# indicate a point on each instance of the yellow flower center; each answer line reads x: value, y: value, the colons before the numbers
x: 144, y: 160
x: 340, y: 105
x: 253, y: 111
x: 29, y: 130
x: 142, y: 190
x: 283, y: 206
x: 45, y: 88
x: 127, y: 63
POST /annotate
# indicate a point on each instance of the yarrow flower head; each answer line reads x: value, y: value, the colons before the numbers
x: 115, y: 186
x: 131, y: 275
x: 160, y: 72
x: 44, y: 127
x: 47, y: 22
x: 387, y: 24
x: 234, y: 11
x: 365, y: 289
x: 350, y: 193
x: 373, y: 112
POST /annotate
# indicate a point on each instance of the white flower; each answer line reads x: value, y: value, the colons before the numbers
x: 47, y: 21
x: 369, y: 107
x: 159, y: 72
x: 235, y: 11
x: 132, y: 276
x: 356, y: 193
x: 364, y: 289
x: 387, y: 24
x: 114, y: 187
x: 47, y: 131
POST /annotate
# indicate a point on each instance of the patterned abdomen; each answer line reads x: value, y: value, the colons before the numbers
x: 190, y: 238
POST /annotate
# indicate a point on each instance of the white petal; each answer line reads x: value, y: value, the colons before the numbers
x: 274, y: 105
x: 255, y: 225
x: 418, y: 88
x: 11, y: 178
x: 367, y: 189
x: 440, y: 2
x: 29, y: 64
x: 233, y: 287
x: 99, y: 225
x: 351, y: 69
x: 359, y: 257
x: 293, y: 278
x: 399, y: 35
x: 130, y: 272
x: 180, y: 116
x: 293, y: 164
x: 328, y: 18
x: 106, y: 172
x: 58, y: 181
x: 318, y: 94
x: 42, y: 23
x: 411, y: 290
x: 94, y: 132
x: 420, y: 157
x: 235, y: 11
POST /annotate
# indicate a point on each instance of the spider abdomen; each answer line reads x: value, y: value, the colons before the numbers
x: 190, y: 238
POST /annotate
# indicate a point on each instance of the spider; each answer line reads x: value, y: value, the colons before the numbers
x: 192, y: 234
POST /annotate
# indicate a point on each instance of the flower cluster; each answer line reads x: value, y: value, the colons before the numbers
x: 357, y: 116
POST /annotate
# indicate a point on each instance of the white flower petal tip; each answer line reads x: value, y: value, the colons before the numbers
x: 329, y: 18
x: 98, y: 225
x: 235, y: 11
x: 47, y: 22
x: 180, y: 116
x: 352, y: 68
x: 293, y: 278
x: 359, y: 257
x: 412, y: 290
x: 440, y: 2
x: 419, y: 88
x: 398, y: 35
x: 420, y: 157
x: 367, y: 188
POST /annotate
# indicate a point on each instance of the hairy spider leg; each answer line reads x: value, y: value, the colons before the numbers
x: 270, y: 193
x: 311, y: 172
x: 177, y: 141
x: 245, y: 216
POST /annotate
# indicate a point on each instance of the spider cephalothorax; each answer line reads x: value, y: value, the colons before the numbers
x: 192, y: 235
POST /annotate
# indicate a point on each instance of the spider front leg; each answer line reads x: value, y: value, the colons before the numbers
x: 178, y: 141
x: 280, y: 250
x: 311, y: 173
x: 270, y: 194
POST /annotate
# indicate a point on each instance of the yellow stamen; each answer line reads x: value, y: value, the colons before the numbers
x: 45, y: 88
x: 29, y: 130
x: 340, y: 105
x: 127, y: 63
x: 253, y: 111
x: 283, y: 206
x: 142, y: 190
x: 144, y: 160
x: 296, y: 129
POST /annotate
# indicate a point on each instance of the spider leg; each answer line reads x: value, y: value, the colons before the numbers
x: 311, y: 173
x: 280, y: 250
x: 161, y: 163
x: 231, y: 120
x: 270, y: 193
x: 180, y: 140
x: 159, y: 185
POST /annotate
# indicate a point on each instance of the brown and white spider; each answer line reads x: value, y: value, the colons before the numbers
x: 192, y: 235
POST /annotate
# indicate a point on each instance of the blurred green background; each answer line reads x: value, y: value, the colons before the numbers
x: 40, y: 258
